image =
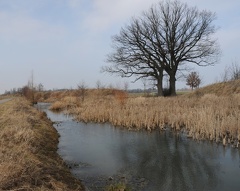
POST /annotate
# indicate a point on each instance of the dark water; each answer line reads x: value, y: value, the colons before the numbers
x: 145, y: 161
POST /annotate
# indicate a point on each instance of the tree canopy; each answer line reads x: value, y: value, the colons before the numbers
x: 162, y: 41
x: 193, y: 80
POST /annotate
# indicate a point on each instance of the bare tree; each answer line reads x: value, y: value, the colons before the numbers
x: 26, y: 92
x: 40, y: 87
x: 235, y: 71
x: 165, y: 38
x: 82, y: 89
x: 32, y: 89
x: 231, y: 72
x: 98, y: 84
x: 126, y: 86
x: 225, y: 76
x: 193, y: 80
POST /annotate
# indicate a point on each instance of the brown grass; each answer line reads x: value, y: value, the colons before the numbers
x: 69, y: 99
x: 211, y: 117
x: 65, y: 103
x: 219, y: 89
x: 28, y: 151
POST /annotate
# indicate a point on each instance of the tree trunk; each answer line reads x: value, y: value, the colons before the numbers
x: 160, y: 86
x: 159, y: 78
x: 172, y: 87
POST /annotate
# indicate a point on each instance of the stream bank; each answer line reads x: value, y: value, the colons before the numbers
x: 28, y: 151
x: 101, y: 155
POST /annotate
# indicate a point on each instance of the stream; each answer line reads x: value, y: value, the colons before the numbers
x: 101, y: 155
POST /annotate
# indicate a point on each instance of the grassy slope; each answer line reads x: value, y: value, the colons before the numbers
x: 28, y: 151
x: 220, y: 89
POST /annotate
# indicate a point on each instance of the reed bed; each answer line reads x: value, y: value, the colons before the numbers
x: 28, y: 151
x: 211, y: 117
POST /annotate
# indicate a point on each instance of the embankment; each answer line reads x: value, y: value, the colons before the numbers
x: 28, y: 151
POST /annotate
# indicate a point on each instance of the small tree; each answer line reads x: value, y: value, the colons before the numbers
x: 82, y: 88
x: 193, y: 80
x: 126, y: 86
x: 98, y: 84
x: 235, y: 71
x: 40, y: 87
x: 231, y: 72
x: 29, y: 90
x: 26, y: 92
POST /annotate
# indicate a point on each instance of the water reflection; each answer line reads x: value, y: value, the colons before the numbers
x: 171, y: 162
x: 147, y: 161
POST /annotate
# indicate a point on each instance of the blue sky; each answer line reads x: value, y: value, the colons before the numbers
x: 65, y: 42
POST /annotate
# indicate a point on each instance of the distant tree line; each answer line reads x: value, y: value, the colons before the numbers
x: 27, y: 91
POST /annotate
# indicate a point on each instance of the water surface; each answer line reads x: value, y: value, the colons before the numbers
x: 100, y: 154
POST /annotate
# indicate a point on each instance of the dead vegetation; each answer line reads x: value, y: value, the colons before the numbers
x: 28, y: 142
x: 28, y: 151
x: 220, y: 89
x: 199, y: 115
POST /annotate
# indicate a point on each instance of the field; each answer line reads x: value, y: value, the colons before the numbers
x: 28, y: 151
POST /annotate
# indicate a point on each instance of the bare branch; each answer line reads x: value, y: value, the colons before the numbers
x: 165, y: 38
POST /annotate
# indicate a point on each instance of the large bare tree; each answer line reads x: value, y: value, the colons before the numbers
x: 163, y: 40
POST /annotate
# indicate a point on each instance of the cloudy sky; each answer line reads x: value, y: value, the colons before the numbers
x: 65, y: 42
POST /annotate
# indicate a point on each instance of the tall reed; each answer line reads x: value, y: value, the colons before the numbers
x: 208, y: 117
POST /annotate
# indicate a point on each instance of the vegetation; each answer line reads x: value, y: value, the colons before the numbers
x: 231, y: 72
x: 161, y: 41
x: 28, y: 151
x: 228, y: 88
x: 28, y: 157
x: 118, y: 187
x: 200, y: 116
x: 193, y: 80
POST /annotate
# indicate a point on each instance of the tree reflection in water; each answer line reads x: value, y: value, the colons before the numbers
x: 171, y: 162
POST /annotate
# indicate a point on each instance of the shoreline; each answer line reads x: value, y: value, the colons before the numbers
x: 208, y: 117
x: 29, y: 158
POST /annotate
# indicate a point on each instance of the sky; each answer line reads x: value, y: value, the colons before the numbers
x: 65, y: 42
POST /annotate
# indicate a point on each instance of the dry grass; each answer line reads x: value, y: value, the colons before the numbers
x: 219, y: 89
x: 69, y: 99
x: 211, y: 117
x: 65, y: 103
x: 28, y: 151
